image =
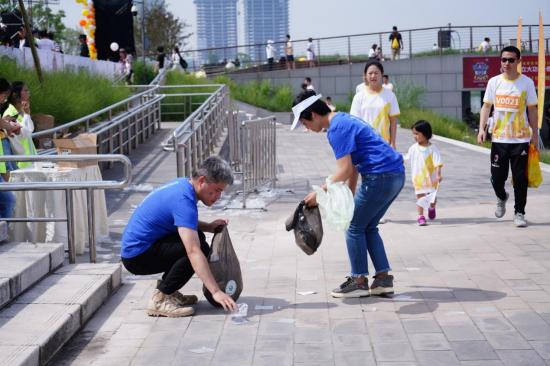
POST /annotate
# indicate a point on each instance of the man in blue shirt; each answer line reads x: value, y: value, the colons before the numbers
x: 164, y: 235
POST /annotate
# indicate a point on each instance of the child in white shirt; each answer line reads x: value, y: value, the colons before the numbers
x: 425, y: 168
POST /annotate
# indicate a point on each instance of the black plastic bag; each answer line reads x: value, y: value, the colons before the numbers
x: 308, y: 227
x: 183, y: 63
x: 225, y: 267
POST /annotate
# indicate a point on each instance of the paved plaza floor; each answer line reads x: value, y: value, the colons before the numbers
x: 471, y: 290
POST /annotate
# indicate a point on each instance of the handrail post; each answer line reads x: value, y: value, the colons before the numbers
x: 349, y: 50
x: 530, y: 41
x: 500, y: 38
x: 319, y: 51
x: 471, y: 38
x: 70, y: 228
x: 410, y: 45
x: 91, y: 224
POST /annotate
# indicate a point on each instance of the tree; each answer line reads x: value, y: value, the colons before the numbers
x: 43, y: 18
x: 162, y: 28
x: 69, y: 41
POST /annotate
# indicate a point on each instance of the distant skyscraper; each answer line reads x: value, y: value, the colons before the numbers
x: 216, y: 27
x: 263, y: 20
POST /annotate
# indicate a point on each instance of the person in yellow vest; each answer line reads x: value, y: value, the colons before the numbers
x: 19, y: 108
x: 7, y: 128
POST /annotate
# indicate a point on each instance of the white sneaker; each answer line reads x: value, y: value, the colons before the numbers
x: 519, y: 220
x: 501, y: 207
x: 165, y: 305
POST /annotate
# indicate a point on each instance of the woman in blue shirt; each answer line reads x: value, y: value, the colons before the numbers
x: 358, y: 149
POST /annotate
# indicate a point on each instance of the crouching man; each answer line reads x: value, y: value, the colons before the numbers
x: 164, y: 235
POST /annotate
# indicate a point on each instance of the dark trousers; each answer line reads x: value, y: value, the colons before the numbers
x: 168, y: 256
x: 514, y: 155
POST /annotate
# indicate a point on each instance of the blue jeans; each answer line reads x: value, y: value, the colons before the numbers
x: 6, y: 147
x: 372, y: 200
x: 7, y: 202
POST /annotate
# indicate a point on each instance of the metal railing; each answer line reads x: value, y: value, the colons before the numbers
x: 355, y: 47
x: 126, y: 124
x: 252, y: 146
x: 195, y: 138
x: 69, y: 187
x: 85, y: 123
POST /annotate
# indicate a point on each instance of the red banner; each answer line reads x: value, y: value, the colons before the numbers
x: 477, y: 71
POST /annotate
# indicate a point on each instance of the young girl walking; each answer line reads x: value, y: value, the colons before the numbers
x: 425, y: 168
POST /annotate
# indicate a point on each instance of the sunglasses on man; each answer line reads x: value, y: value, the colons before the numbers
x: 510, y: 60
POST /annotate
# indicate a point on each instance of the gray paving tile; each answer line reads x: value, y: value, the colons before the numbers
x: 507, y: 340
x: 520, y: 358
x: 354, y: 359
x: 395, y: 351
x: 473, y: 350
x: 482, y: 363
x: 429, y: 342
x: 313, y: 353
x: 421, y: 326
x: 437, y: 358
x: 542, y: 348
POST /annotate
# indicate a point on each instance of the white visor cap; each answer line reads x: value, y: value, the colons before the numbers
x: 302, y: 106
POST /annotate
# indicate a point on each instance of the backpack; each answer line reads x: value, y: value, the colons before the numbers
x: 395, y: 42
x: 308, y: 227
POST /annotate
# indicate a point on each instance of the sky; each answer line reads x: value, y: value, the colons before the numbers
x: 324, y: 18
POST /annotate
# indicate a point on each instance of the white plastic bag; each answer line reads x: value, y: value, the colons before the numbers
x: 336, y: 204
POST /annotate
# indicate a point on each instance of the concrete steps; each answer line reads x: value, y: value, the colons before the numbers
x: 3, y: 231
x: 23, y: 264
x: 40, y: 320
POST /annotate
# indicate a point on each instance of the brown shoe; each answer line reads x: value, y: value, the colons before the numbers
x: 184, y: 300
x: 165, y: 305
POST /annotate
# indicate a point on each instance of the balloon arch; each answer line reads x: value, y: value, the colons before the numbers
x: 87, y: 22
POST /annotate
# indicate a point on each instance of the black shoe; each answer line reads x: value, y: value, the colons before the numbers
x: 382, y: 286
x: 351, y: 288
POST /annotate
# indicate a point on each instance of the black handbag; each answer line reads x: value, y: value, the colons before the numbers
x: 308, y: 227
x: 183, y: 63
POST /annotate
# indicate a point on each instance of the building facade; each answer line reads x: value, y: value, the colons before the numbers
x: 216, y: 27
x: 265, y: 20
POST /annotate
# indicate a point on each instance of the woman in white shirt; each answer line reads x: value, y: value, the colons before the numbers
x: 376, y: 105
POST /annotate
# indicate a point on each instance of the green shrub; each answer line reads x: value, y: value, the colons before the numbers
x: 441, y: 125
x: 261, y: 94
x: 409, y: 95
x: 143, y: 73
x: 65, y: 95
x: 178, y: 108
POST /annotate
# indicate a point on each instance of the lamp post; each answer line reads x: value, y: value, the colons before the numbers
x: 142, y: 27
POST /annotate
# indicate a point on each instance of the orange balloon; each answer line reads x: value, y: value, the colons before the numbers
x: 83, y: 23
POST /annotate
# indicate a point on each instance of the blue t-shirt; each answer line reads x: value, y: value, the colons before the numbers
x: 160, y: 214
x: 369, y: 152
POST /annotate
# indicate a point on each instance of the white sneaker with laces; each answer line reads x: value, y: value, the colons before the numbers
x: 501, y: 207
x: 519, y: 220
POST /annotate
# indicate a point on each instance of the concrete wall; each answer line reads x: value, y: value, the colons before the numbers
x: 441, y: 77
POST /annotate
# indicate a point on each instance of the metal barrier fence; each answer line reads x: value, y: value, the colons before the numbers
x: 195, y: 139
x: 355, y: 48
x: 69, y: 187
x: 252, y: 146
